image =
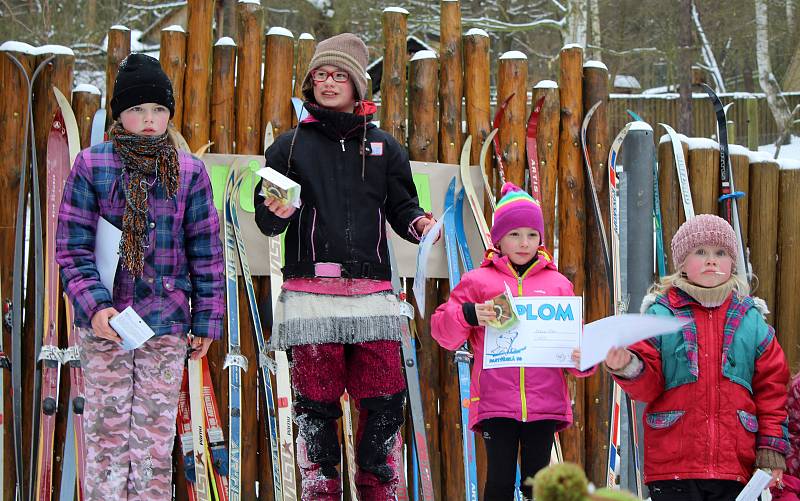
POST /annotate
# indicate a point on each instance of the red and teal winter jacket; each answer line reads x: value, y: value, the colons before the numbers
x: 715, y: 391
x: 522, y: 393
x: 184, y: 261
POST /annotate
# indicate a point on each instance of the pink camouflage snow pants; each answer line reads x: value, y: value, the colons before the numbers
x: 129, y: 416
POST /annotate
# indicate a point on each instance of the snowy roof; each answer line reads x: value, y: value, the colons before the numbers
x: 423, y: 54
x: 91, y: 89
x: 477, y: 32
x: 626, y: 82
x: 546, y: 84
x: 278, y: 31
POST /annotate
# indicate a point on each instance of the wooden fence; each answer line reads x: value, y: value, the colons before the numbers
x: 219, y: 97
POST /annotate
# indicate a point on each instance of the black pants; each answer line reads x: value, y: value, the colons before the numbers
x: 694, y: 490
x: 505, y: 438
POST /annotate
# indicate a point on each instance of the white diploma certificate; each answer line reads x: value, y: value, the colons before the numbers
x: 131, y: 328
x: 549, y: 329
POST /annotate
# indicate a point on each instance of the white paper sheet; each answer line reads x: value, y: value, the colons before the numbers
x: 422, y: 262
x: 758, y: 482
x: 131, y: 328
x: 106, y: 252
x: 620, y: 331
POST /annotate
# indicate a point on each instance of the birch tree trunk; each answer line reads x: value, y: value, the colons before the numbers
x: 575, y: 27
x: 708, y: 54
x: 685, y: 58
x: 594, y: 25
x: 777, y: 103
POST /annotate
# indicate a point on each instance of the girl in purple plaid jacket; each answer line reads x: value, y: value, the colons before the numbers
x: 170, y: 254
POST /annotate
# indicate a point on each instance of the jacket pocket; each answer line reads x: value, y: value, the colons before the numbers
x: 749, y: 421
x: 662, y: 420
x: 175, y: 293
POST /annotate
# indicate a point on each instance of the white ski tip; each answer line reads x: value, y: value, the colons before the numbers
x: 640, y: 125
x: 665, y: 138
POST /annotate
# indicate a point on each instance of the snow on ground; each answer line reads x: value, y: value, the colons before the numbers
x: 788, y: 151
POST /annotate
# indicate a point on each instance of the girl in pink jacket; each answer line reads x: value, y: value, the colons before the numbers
x: 511, y: 406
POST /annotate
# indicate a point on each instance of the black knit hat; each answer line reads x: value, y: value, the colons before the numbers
x: 141, y: 80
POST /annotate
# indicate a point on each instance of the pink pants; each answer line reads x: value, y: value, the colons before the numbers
x: 129, y: 417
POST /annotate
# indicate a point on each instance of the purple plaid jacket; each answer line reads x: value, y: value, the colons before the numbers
x: 183, y: 264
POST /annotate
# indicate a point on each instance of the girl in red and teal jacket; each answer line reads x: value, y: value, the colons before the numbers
x: 510, y: 406
x: 716, y: 389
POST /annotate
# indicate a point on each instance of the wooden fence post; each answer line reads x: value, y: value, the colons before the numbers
x: 547, y: 145
x: 764, y: 228
x: 572, y: 216
x: 512, y: 78
x: 278, y: 66
x: 305, y: 51
x: 13, y: 130
x: 740, y: 161
x: 787, y: 314
x: 85, y: 102
x: 173, y: 61
x: 197, y: 81
x: 423, y: 106
x: 119, y: 46
x: 703, y: 166
x: 393, y: 81
x: 248, y: 78
x: 222, y: 90
x: 752, y: 124
x: 451, y: 82
x: 598, y: 297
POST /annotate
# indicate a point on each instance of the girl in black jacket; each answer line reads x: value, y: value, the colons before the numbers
x: 337, y: 314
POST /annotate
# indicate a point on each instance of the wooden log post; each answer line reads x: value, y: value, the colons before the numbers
x: 598, y: 295
x: 672, y: 215
x: 13, y: 130
x: 763, y: 227
x: 572, y: 217
x: 752, y: 124
x: 85, y: 103
x: 119, y: 46
x: 740, y: 161
x: 787, y: 314
x: 222, y: 87
x: 278, y: 63
x: 197, y: 81
x: 512, y: 78
x: 248, y: 78
x: 173, y: 62
x: 305, y: 51
x: 547, y: 145
x: 451, y: 81
x: 703, y: 166
x: 423, y: 114
x: 476, y: 91
x: 423, y: 107
x: 393, y: 81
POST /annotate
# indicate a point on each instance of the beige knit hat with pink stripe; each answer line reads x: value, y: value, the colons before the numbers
x: 345, y: 51
x: 703, y: 229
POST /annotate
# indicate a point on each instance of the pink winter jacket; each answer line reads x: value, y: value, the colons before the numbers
x: 522, y: 393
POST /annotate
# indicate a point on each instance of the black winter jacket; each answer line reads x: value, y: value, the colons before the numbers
x: 343, y: 216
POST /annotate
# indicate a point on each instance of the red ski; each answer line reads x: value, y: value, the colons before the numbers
x: 184, y: 422
x: 58, y: 167
x: 216, y: 436
x: 532, y: 150
x: 496, y: 122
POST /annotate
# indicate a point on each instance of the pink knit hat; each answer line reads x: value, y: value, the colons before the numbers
x: 516, y: 209
x: 703, y: 229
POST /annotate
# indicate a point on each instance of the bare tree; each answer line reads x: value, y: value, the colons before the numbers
x: 708, y: 54
x: 575, y: 28
x: 594, y: 29
x: 777, y: 103
x: 686, y: 53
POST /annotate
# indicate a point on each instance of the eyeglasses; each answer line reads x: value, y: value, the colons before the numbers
x: 322, y: 75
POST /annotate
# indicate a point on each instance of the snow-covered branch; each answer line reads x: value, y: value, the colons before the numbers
x: 705, y: 49
x: 490, y: 24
